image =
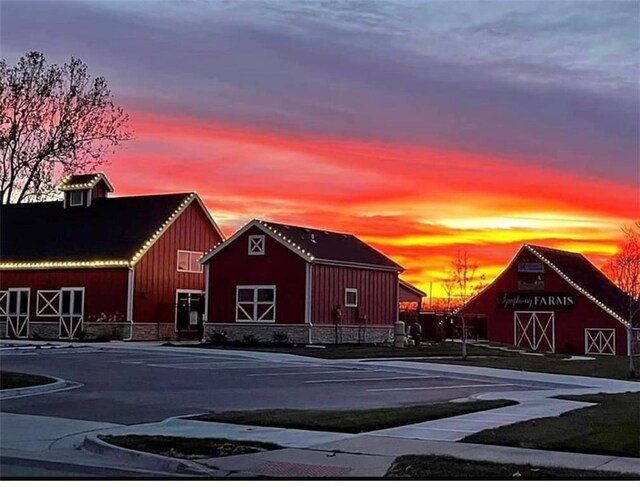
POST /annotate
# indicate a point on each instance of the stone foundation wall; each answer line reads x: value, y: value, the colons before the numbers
x: 44, y: 331
x: 106, y: 331
x: 154, y: 331
x: 320, y: 334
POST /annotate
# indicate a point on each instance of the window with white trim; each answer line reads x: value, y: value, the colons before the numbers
x: 189, y: 261
x: 256, y: 244
x: 76, y: 197
x: 48, y: 304
x: 256, y: 304
x: 351, y: 297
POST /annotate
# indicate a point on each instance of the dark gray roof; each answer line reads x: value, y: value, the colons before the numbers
x: 583, y: 273
x: 334, y: 246
x: 111, y: 228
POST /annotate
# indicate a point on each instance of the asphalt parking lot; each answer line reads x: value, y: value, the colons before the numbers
x: 130, y: 386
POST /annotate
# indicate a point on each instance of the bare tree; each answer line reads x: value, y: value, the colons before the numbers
x: 465, y: 286
x: 54, y: 121
x: 624, y: 270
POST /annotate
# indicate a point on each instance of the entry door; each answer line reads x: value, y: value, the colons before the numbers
x: 71, y: 312
x: 18, y: 313
x: 189, y: 313
x: 534, y: 330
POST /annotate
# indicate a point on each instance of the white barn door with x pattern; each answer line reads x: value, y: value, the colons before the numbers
x: 534, y: 330
x: 18, y: 313
x: 600, y: 341
x: 71, y: 311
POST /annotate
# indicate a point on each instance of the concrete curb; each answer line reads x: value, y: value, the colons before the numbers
x: 147, y: 461
x: 57, y: 386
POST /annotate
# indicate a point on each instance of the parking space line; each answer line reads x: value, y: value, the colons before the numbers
x: 214, y: 365
x: 325, y: 381
x: 468, y: 386
x: 341, y: 371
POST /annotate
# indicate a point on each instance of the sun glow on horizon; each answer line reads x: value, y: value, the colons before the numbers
x: 418, y: 205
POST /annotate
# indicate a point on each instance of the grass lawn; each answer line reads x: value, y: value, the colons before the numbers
x: 601, y: 366
x: 354, y: 351
x: 190, y: 448
x: 356, y: 421
x: 612, y: 427
x: 14, y: 380
x: 438, y: 467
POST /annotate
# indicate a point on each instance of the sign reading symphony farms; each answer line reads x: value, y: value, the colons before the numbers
x: 536, y: 300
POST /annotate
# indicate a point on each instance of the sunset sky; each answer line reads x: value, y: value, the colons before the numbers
x: 422, y: 127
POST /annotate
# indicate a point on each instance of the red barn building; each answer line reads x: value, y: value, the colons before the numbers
x: 313, y: 285
x: 556, y: 301
x: 102, y: 267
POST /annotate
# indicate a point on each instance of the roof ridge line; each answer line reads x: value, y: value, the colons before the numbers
x: 576, y: 286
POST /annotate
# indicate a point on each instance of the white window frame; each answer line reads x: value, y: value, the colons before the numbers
x: 346, y: 293
x: 76, y: 191
x: 256, y: 244
x: 610, y: 341
x: 43, y: 302
x: 255, y: 318
x: 200, y: 269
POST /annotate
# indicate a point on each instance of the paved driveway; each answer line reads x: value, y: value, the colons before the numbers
x: 129, y: 385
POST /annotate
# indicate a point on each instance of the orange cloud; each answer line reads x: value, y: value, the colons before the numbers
x: 420, y: 205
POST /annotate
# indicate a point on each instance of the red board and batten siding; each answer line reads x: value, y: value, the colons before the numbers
x: 377, y: 295
x: 279, y: 267
x: 156, y: 275
x: 105, y: 288
x: 570, y: 324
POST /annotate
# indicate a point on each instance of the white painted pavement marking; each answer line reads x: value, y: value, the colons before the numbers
x: 341, y: 371
x: 324, y: 381
x: 214, y: 366
x: 468, y: 386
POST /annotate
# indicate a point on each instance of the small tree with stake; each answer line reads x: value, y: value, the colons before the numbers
x: 624, y: 271
x: 54, y: 121
x: 466, y: 285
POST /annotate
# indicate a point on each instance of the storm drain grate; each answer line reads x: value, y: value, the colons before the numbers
x: 286, y: 469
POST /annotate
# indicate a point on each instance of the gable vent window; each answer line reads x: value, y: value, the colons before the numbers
x: 76, y: 198
x: 256, y: 244
x: 189, y: 261
x: 351, y: 297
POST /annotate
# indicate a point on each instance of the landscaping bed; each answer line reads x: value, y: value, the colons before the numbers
x: 612, y: 427
x: 444, y: 467
x: 356, y: 421
x: 189, y: 448
x: 15, y: 380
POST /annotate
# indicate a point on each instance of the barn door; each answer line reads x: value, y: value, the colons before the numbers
x: 599, y: 341
x: 534, y: 330
x: 18, y: 313
x: 71, y: 312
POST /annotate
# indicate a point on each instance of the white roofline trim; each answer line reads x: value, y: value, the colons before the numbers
x: 211, y: 220
x: 88, y: 185
x: 270, y: 231
x: 576, y: 286
x: 160, y: 231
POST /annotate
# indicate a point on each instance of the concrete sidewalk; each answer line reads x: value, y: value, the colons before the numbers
x: 325, y: 454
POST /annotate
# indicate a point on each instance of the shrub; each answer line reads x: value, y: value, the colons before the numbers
x: 218, y: 336
x: 280, y: 337
x: 251, y: 339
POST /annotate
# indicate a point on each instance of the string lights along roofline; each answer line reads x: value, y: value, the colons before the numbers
x: 577, y: 287
x: 50, y: 264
